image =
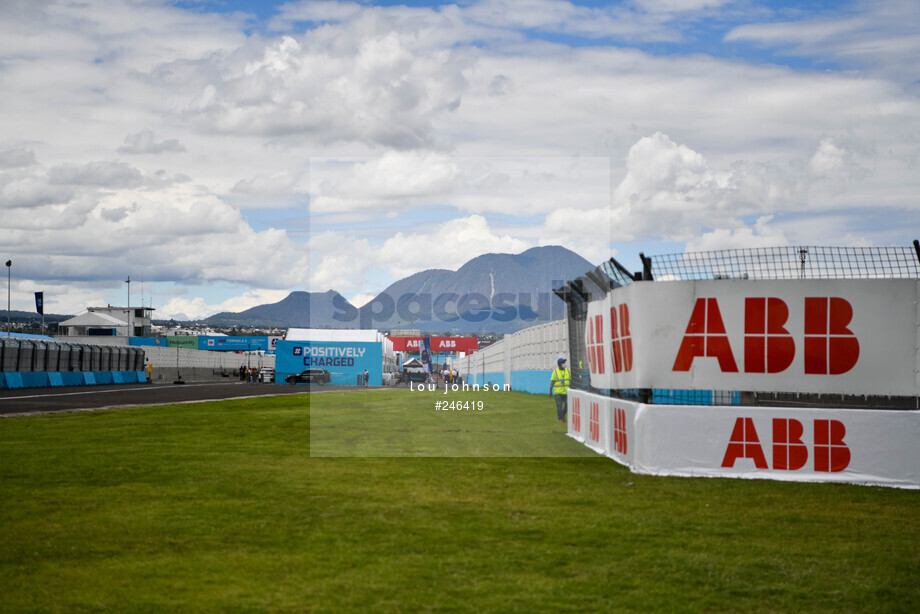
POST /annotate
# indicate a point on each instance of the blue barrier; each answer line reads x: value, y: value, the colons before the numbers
x: 534, y: 381
x: 72, y: 378
x: 34, y: 380
x: 481, y: 379
x: 10, y: 380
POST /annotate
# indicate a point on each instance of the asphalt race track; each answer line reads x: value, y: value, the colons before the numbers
x: 24, y: 401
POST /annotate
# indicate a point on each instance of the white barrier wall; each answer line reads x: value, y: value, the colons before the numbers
x: 533, y: 349
x: 870, y: 447
x: 201, y: 359
x: 538, y: 347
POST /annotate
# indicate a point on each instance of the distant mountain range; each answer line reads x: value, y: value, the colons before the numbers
x: 298, y: 310
x: 499, y: 293
x: 32, y: 316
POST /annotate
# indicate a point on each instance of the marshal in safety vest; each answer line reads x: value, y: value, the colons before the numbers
x: 560, y: 380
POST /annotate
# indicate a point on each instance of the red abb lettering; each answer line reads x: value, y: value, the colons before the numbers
x: 594, y: 423
x: 619, y: 430
x: 705, y: 336
x: 621, y: 340
x: 768, y: 346
x: 595, y: 328
x: 830, y: 347
x: 831, y: 453
x: 576, y: 415
x: 744, y: 444
x: 789, y: 451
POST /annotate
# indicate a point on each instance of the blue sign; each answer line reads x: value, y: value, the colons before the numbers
x: 344, y: 361
x: 155, y: 341
x: 213, y: 342
x: 233, y: 344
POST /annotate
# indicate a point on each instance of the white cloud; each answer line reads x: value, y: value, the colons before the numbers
x: 17, y: 157
x: 29, y: 190
x: 367, y: 84
x: 837, y: 165
x: 272, y: 184
x: 394, y: 180
x: 878, y: 36
x: 343, y: 262
x: 619, y: 21
x: 761, y: 234
x: 197, y: 308
x: 457, y: 109
x: 481, y: 184
x: 144, y: 142
x: 100, y: 174
x: 447, y: 246
x: 316, y: 12
x: 671, y: 191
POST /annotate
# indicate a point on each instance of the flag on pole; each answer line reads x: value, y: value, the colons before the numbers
x: 40, y: 302
x: 425, y: 353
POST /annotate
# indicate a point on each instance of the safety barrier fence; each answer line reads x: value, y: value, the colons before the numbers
x: 28, y: 363
x: 786, y: 363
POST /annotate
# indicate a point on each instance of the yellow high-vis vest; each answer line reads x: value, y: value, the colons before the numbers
x: 560, y: 381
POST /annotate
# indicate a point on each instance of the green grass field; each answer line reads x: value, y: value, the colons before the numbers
x: 221, y: 507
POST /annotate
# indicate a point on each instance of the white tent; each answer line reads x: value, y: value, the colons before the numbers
x: 79, y: 325
x: 333, y: 334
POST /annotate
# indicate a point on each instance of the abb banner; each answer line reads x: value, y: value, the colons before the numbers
x: 874, y: 447
x: 819, y: 336
x: 603, y: 424
x: 438, y: 344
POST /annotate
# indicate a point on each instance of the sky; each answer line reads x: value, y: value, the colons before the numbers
x: 223, y: 153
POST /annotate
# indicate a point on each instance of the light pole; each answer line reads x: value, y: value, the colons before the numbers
x: 9, y: 276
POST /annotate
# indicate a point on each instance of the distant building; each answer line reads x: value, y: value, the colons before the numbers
x: 405, y: 333
x: 184, y: 332
x: 109, y: 322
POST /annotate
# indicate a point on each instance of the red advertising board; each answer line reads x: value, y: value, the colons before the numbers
x: 438, y: 344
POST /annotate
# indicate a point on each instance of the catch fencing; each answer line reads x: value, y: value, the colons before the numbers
x: 816, y: 326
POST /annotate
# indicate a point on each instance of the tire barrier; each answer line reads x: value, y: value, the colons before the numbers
x: 36, y: 363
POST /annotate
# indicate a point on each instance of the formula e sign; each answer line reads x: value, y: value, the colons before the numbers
x: 829, y: 336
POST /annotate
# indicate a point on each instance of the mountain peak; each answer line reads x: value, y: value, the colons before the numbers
x: 527, y: 280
